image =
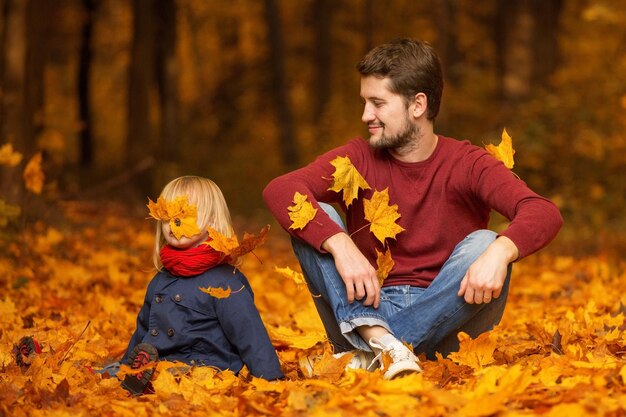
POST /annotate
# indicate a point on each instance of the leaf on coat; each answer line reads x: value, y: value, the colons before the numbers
x: 385, y: 265
x: 181, y: 216
x: 8, y: 156
x: 382, y: 216
x: 504, y: 151
x: 302, y: 211
x: 231, y: 247
x: 33, y: 174
x: 219, y: 292
x: 296, y: 276
x: 347, y: 179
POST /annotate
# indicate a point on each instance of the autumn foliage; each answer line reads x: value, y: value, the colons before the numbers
x: 77, y: 288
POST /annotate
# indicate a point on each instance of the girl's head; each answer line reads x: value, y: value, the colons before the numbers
x: 212, y: 212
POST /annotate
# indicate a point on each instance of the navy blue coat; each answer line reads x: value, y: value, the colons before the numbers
x: 188, y: 325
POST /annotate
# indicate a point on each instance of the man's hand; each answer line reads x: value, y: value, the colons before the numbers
x: 484, y: 279
x: 355, y: 270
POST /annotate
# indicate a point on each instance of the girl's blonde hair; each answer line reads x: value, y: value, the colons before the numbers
x: 209, y: 200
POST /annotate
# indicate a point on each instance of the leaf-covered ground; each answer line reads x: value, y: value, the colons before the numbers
x: 558, y: 352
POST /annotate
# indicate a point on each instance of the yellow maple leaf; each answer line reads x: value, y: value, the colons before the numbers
x: 385, y: 265
x: 504, y: 151
x: 8, y: 156
x: 181, y: 216
x: 231, y: 247
x: 33, y: 174
x: 382, y: 216
x: 348, y: 179
x: 296, y: 276
x: 302, y: 212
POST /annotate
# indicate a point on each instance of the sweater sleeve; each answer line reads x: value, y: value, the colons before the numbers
x: 241, y: 322
x: 534, y: 220
x: 314, y: 181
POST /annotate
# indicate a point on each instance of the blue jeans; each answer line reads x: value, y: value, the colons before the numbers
x: 427, y: 318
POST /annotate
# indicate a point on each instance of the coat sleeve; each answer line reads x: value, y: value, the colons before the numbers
x: 241, y: 322
x: 142, y: 324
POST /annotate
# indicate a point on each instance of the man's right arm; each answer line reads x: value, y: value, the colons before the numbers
x: 357, y: 273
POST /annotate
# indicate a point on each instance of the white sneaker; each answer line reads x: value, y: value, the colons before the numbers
x: 403, y: 361
x: 360, y: 359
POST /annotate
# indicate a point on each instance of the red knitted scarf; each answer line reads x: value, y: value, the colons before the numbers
x: 190, y: 262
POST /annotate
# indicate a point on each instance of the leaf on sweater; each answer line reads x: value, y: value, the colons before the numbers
x: 385, y: 265
x: 219, y: 292
x: 8, y: 156
x: 33, y: 174
x: 382, y: 216
x: 181, y: 216
x: 296, y: 276
x: 504, y: 151
x: 347, y: 179
x: 231, y: 247
x: 302, y: 211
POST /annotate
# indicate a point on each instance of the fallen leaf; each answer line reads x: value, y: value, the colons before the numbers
x: 504, y: 151
x: 302, y: 212
x: 296, y: 276
x: 347, y: 179
x: 385, y: 264
x: 382, y: 216
x: 33, y: 174
x: 8, y: 156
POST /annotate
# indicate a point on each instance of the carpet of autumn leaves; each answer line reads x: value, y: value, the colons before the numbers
x: 558, y: 352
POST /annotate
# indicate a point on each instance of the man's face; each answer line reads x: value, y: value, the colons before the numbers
x: 385, y: 114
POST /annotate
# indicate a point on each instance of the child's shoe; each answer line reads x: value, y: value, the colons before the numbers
x: 400, y: 360
x: 25, y: 348
x: 141, y: 356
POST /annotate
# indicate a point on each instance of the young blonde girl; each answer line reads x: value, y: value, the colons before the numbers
x: 178, y: 321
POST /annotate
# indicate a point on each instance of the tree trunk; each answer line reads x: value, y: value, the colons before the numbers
x: 287, y: 139
x: 546, y: 15
x: 84, y: 71
x: 167, y: 76
x: 446, y: 14
x: 323, y: 18
x: 139, y: 144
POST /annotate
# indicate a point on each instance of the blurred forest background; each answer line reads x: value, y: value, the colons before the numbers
x: 120, y: 96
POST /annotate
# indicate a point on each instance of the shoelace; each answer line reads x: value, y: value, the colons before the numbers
x: 395, y: 354
x: 141, y: 359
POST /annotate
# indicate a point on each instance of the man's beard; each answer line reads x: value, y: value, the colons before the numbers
x: 408, y: 134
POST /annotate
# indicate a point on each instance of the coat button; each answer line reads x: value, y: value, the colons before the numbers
x: 158, y: 299
x: 178, y: 297
x: 170, y: 332
x: 154, y: 332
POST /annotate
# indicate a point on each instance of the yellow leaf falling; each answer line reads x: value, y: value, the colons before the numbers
x: 231, y: 247
x: 382, y: 216
x: 181, y: 216
x: 504, y: 151
x: 33, y: 174
x: 296, y: 276
x: 385, y: 265
x: 347, y: 179
x: 9, y: 157
x: 302, y: 211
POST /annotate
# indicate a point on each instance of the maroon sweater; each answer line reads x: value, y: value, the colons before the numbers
x: 441, y: 200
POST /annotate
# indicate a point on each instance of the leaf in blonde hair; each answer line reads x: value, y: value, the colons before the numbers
x: 179, y: 213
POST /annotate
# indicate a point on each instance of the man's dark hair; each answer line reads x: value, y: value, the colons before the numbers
x: 412, y: 66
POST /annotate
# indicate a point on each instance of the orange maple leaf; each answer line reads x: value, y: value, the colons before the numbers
x: 231, y: 247
x: 219, y: 292
x: 296, y: 276
x: 33, y: 174
x: 385, y: 264
x: 302, y: 212
x: 347, y: 179
x: 181, y: 216
x: 8, y: 156
x: 504, y: 151
x: 382, y: 216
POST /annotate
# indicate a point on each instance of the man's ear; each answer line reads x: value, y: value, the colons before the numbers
x: 419, y: 106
